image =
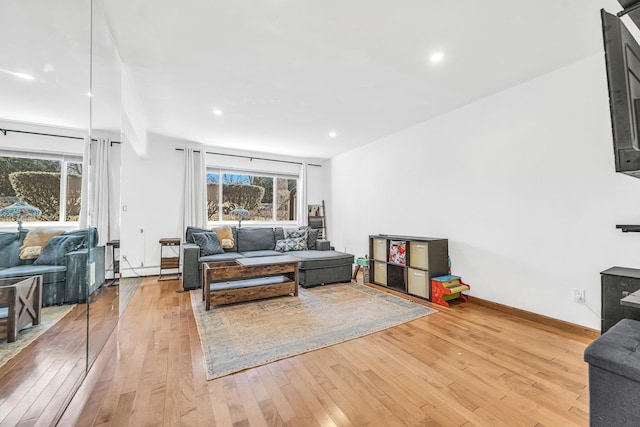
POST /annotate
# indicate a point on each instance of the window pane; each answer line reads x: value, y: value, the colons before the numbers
x: 74, y: 186
x: 34, y: 181
x: 286, y: 199
x: 213, y: 200
x: 247, y: 192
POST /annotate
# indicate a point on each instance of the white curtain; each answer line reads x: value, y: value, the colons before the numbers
x: 302, y: 196
x: 195, y: 190
x: 94, y: 211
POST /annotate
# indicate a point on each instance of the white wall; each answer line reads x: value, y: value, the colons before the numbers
x: 522, y: 184
x: 152, y: 189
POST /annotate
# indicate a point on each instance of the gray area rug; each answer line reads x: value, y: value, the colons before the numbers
x: 245, y: 335
x: 48, y: 317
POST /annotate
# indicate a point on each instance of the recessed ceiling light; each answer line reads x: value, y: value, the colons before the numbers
x: 88, y: 93
x: 217, y: 112
x: 436, y: 57
x: 333, y: 134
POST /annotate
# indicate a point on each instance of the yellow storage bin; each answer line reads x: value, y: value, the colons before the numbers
x: 418, y: 282
x: 419, y: 255
x: 380, y: 273
x: 380, y: 249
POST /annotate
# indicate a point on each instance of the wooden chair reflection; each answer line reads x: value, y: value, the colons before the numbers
x: 20, y: 304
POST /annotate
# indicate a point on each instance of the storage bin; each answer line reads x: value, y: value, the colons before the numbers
x: 380, y: 249
x: 418, y: 282
x: 419, y: 255
x: 380, y: 273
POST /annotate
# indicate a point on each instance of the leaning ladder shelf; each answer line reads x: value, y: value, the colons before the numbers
x: 317, y: 219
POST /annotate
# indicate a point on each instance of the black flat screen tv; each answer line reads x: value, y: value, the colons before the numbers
x: 622, y: 54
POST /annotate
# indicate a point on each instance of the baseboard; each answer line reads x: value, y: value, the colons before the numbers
x: 557, y: 324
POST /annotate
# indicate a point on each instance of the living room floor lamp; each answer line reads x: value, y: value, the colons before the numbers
x: 19, y: 210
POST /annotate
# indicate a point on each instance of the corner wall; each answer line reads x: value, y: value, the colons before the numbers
x: 522, y: 183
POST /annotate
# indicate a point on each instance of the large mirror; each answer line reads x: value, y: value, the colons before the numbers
x: 106, y: 143
x: 60, y: 85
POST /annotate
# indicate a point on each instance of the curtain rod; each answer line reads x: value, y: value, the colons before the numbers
x: 251, y: 157
x: 4, y: 131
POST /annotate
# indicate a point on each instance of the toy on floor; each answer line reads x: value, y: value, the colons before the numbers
x: 446, y: 288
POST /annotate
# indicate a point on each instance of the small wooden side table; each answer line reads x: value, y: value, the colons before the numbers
x: 115, y: 244
x: 169, y: 262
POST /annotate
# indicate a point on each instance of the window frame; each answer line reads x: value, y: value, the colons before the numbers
x: 220, y: 171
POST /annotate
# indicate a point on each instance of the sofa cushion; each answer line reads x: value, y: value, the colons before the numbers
x: 56, y: 248
x: 36, y: 240
x: 255, y: 254
x: 292, y: 244
x: 322, y: 259
x: 50, y: 273
x: 226, y: 256
x: 208, y: 242
x: 255, y: 239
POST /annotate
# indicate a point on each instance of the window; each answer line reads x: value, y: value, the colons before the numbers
x: 43, y: 181
x: 266, y: 197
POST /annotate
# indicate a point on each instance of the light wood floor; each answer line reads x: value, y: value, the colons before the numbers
x: 468, y: 365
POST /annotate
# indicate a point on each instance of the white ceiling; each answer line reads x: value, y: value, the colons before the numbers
x: 285, y: 73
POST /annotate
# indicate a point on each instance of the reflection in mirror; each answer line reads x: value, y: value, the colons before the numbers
x: 44, y: 114
x: 104, y: 191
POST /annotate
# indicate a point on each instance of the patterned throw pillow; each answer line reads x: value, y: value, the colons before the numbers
x: 209, y: 243
x: 292, y: 244
x: 312, y: 238
x: 54, y: 251
x: 293, y: 233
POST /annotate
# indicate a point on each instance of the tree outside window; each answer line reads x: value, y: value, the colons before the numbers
x: 252, y: 192
x: 42, y: 183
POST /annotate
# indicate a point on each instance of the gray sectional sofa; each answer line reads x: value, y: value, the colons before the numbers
x: 317, y: 266
x: 64, y: 279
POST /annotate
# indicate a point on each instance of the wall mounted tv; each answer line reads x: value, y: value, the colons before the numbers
x: 622, y: 54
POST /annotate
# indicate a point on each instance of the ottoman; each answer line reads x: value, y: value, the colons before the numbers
x: 614, y: 376
x: 319, y: 267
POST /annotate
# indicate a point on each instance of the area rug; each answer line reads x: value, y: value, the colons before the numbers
x: 245, y: 335
x: 49, y: 316
x: 128, y: 287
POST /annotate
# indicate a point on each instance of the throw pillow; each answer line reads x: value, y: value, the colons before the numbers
x: 225, y: 236
x: 56, y: 248
x: 209, y: 243
x: 294, y: 233
x: 35, y: 240
x: 312, y: 237
x: 291, y: 244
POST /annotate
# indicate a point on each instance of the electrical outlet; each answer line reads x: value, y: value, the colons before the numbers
x: 579, y: 295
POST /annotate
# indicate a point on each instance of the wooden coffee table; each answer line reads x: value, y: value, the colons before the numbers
x: 248, y: 279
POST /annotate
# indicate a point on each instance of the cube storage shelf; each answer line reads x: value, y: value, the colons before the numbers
x: 407, y: 263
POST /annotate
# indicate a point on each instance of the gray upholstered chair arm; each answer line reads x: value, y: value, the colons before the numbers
x: 190, y: 267
x: 323, y: 245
